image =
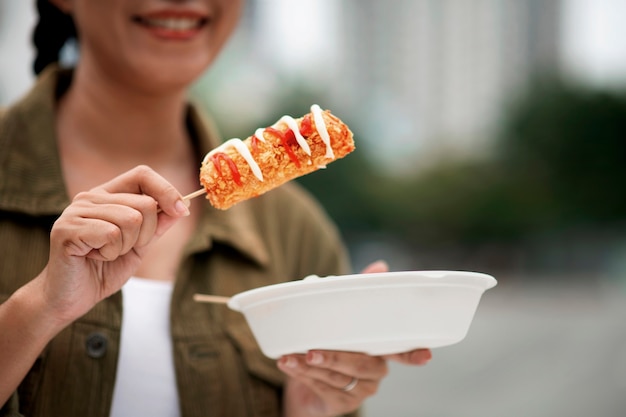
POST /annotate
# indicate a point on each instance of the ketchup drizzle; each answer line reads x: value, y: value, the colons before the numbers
x: 218, y: 157
x: 254, y: 143
x: 286, y: 143
x: 306, y: 128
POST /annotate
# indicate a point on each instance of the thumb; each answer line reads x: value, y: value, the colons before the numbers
x: 375, y: 267
x: 165, y: 222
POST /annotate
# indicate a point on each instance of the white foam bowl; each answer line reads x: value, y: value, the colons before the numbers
x: 378, y: 314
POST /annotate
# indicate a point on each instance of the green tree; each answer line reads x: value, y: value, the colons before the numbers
x: 566, y: 146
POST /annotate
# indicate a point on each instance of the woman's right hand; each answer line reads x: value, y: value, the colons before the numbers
x: 98, y: 241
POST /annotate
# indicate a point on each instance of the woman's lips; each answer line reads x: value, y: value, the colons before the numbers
x: 172, y: 25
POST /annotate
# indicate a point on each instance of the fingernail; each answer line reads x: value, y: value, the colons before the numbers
x: 315, y: 358
x: 422, y: 358
x: 181, y: 208
x: 289, y: 362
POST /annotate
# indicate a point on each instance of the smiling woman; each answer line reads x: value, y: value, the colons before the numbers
x: 94, y: 162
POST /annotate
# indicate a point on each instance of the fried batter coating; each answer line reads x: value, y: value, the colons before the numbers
x: 229, y: 178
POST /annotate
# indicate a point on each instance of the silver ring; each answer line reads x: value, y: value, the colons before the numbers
x: 353, y: 383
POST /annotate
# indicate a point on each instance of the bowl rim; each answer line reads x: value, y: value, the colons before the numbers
x: 314, y: 284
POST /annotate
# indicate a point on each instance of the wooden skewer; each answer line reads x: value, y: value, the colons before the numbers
x: 189, y: 196
x: 205, y: 298
x: 195, y: 194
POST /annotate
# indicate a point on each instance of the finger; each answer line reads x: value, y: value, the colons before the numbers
x: 297, y: 367
x: 135, y: 214
x: 376, y: 267
x: 165, y: 222
x: 96, y: 238
x: 110, y: 229
x: 414, y: 357
x: 144, y: 180
x: 359, y: 365
x: 330, y: 401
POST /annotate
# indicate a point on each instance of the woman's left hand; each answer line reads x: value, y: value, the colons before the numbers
x: 331, y: 383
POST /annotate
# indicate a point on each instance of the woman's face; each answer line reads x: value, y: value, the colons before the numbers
x: 152, y: 44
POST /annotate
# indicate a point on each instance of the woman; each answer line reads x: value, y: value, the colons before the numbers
x: 79, y: 192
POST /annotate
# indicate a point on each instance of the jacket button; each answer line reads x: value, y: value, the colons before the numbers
x: 96, y: 345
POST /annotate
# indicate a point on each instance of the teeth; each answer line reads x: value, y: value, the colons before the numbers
x: 174, y: 23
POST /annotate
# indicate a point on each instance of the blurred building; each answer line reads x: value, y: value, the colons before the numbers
x: 17, y: 18
x: 432, y: 76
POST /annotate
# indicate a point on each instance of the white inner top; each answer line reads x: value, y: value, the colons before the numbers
x: 146, y: 384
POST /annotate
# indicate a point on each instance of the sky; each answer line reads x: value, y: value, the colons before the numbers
x: 16, y: 22
x: 299, y: 46
x: 594, y: 36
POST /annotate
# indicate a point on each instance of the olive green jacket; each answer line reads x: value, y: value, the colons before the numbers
x: 283, y: 235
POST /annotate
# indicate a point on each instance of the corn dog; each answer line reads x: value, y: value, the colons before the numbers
x: 241, y: 169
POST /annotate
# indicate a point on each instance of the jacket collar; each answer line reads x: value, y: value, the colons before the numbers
x: 30, y: 173
x: 31, y: 179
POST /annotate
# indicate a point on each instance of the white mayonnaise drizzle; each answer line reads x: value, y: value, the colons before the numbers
x: 322, y: 130
x: 259, y: 134
x: 243, y: 150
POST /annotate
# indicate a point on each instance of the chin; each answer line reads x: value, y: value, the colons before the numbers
x: 174, y: 80
x: 166, y: 77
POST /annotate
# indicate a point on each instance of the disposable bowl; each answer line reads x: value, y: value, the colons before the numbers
x: 378, y: 314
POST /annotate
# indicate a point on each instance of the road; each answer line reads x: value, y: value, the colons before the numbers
x: 532, y: 351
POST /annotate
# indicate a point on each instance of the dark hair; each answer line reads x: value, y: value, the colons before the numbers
x: 53, y: 29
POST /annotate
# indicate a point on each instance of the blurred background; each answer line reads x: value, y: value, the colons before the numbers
x: 491, y: 136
